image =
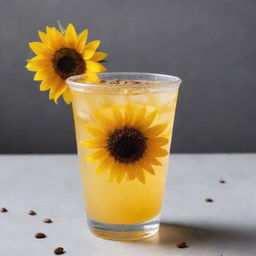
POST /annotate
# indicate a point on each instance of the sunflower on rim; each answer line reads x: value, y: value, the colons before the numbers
x: 126, y: 143
x: 62, y: 54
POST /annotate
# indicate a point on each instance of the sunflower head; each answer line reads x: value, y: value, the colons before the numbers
x: 127, y: 142
x: 62, y: 54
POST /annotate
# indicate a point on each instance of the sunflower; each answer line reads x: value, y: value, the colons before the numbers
x: 61, y: 55
x: 126, y: 143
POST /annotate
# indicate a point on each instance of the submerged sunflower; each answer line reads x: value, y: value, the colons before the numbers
x: 127, y: 143
x: 61, y: 55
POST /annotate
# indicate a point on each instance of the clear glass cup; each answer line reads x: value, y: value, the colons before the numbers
x: 123, y: 133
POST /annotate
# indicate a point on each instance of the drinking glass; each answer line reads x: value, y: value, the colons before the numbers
x: 123, y: 130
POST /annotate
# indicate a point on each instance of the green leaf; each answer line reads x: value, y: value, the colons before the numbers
x: 62, y: 29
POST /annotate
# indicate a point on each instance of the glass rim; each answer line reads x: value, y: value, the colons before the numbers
x: 161, y: 82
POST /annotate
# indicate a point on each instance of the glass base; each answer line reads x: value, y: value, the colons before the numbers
x: 124, y: 232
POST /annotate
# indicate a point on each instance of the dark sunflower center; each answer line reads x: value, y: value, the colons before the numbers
x: 68, y: 62
x: 127, y: 145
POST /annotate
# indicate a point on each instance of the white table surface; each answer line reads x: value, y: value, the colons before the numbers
x: 49, y: 184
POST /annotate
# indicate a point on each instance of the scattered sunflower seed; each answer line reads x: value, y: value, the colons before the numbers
x: 3, y: 210
x: 59, y: 251
x: 31, y: 212
x: 182, y: 245
x: 209, y: 200
x: 47, y: 220
x: 40, y: 235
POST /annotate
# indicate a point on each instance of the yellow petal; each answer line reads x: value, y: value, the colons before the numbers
x: 140, y: 117
x: 120, y: 177
x: 96, y: 132
x: 159, y: 141
x: 38, y: 64
x: 44, y: 38
x: 81, y: 40
x: 41, y: 75
x: 97, y: 155
x: 52, y: 80
x: 90, y: 49
x: 140, y: 176
x: 70, y: 37
x: 117, y: 116
x: 40, y: 48
x: 48, y: 30
x: 55, y: 37
x: 107, y: 124
x: 128, y: 117
x: 148, y: 168
x: 167, y: 133
x: 94, y: 66
x: 56, y: 89
x: 98, y: 56
x: 159, y: 152
x: 44, y: 86
x: 92, y: 143
x: 30, y: 67
x: 67, y: 96
x: 59, y: 91
x: 155, y: 130
x: 130, y: 172
x: 51, y: 93
x: 49, y: 38
x: 58, y: 38
x: 154, y: 161
x: 38, y: 57
x: 104, y: 165
x: 91, y: 77
x: 114, y: 173
x: 149, y: 120
x: 38, y: 76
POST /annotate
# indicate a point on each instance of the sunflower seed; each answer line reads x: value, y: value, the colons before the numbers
x: 47, y: 220
x: 208, y: 200
x: 182, y: 245
x: 59, y: 251
x: 40, y: 235
x: 3, y: 210
x: 31, y: 212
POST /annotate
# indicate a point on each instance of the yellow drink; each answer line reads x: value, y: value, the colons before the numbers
x: 123, y: 140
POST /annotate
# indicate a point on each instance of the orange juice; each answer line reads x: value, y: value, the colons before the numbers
x: 129, y: 201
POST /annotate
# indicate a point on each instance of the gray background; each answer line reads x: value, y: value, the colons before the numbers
x: 210, y: 44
